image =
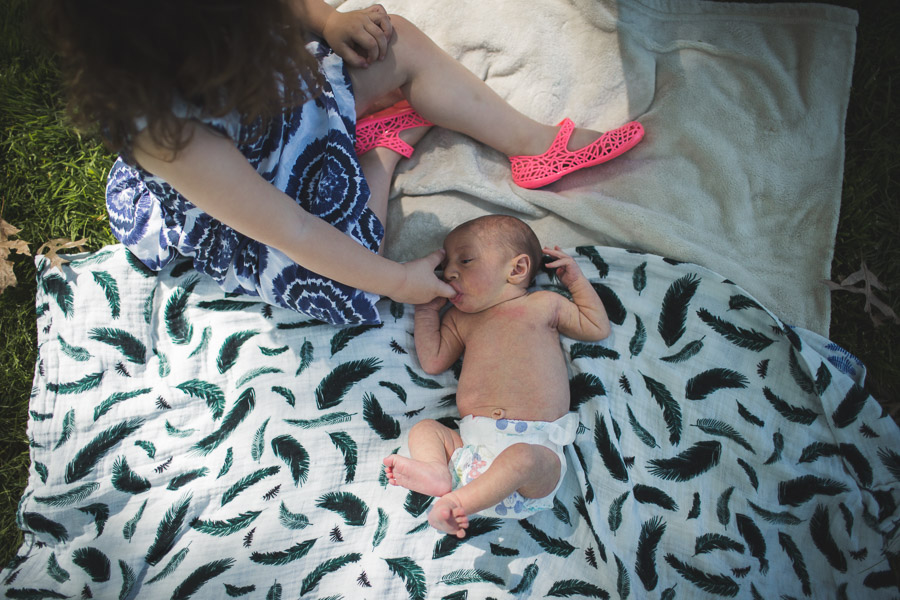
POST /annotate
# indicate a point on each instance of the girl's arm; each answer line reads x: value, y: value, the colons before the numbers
x: 438, y: 345
x: 584, y: 318
x: 214, y: 176
x: 360, y: 37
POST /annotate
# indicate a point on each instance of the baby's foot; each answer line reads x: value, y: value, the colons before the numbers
x: 432, y: 479
x: 449, y: 516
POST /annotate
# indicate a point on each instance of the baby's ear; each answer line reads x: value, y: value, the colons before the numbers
x: 518, y: 273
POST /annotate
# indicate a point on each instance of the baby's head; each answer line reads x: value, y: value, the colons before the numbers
x: 508, y: 235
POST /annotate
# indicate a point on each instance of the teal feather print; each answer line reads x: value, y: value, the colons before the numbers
x: 582, y: 350
x: 723, y: 429
x: 127, y: 481
x: 149, y: 306
x: 723, y: 513
x: 200, y: 577
x: 56, y: 572
x: 171, y: 566
x: 703, y: 384
x: 636, y: 345
x: 709, y: 542
x: 283, y: 557
x: 209, y: 392
x: 347, y: 446
x: 254, y: 373
x: 850, y: 407
x: 139, y: 267
x: 591, y: 253
x: 334, y: 386
x: 754, y: 539
x: 38, y: 417
x: 781, y: 518
x: 448, y: 544
x: 693, y: 462
x: 285, y: 393
x: 412, y: 575
x: 113, y: 399
x: 226, y: 465
x: 179, y: 481
x: 381, y: 530
x: 528, y: 577
x: 582, y: 387
x: 718, y: 584
x: 615, y: 511
x: 555, y: 546
x: 401, y: 393
x: 259, y: 442
x: 290, y: 520
x: 748, y: 416
x: 306, y: 356
x: 273, y: 351
x: 608, y: 451
x: 131, y: 348
x: 673, y: 314
x: 226, y: 305
x: 690, y: 350
x: 204, y: 342
x: 178, y: 433
x: 567, y: 588
x: 85, y: 384
x: 59, y: 289
x: 642, y: 434
x: 668, y: 404
x: 128, y: 579
x: 423, y: 382
x: 67, y: 428
x: 74, y: 352
x: 323, y: 421
x: 93, y: 562
x: 416, y: 503
x: 351, y: 508
x: 820, y: 530
x: 231, y: 347
x: 793, y: 552
x: 130, y: 527
x: 615, y: 310
x: 647, y: 494
x: 623, y: 580
x: 645, y: 557
x: 242, y: 407
x: 790, y: 412
x: 639, y: 277
x: 227, y: 527
x: 245, y: 482
x: 100, y: 512
x: 466, y: 576
x: 38, y: 523
x: 739, y: 336
x: 177, y: 325
x: 751, y: 473
x: 73, y: 496
x: 329, y: 566
x: 797, y: 491
x: 89, y: 455
x: 42, y: 471
x: 167, y: 530
x: 294, y: 456
x: 345, y: 335
x: 387, y: 427
x: 164, y: 368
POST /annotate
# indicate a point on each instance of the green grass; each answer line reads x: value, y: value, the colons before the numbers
x: 52, y: 185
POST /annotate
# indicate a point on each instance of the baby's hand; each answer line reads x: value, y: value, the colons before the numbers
x: 567, y: 270
x: 421, y: 285
x: 360, y: 37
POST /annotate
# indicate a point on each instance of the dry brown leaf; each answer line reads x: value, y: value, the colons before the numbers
x: 7, y: 276
x: 50, y: 250
x: 868, y: 280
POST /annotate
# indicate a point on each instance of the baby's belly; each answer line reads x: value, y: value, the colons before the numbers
x: 526, y: 407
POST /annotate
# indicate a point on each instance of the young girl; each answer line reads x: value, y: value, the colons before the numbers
x: 236, y: 139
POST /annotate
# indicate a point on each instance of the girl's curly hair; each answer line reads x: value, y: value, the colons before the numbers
x: 133, y: 59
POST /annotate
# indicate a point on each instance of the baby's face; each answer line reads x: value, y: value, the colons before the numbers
x: 477, y: 269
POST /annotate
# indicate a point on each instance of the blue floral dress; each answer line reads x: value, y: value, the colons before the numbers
x: 309, y: 155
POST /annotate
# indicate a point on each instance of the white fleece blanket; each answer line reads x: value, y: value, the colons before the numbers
x: 741, y: 167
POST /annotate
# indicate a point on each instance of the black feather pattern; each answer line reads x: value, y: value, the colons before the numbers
x: 608, y: 451
x: 242, y: 407
x: 167, y: 530
x: 639, y: 278
x: 591, y: 253
x: 412, y: 575
x: 132, y: 348
x: 615, y: 310
x: 294, y: 456
x: 690, y: 350
x: 636, y: 345
x: 721, y: 585
x: 782, y: 518
x: 743, y: 338
x: 201, y: 576
x: 345, y: 335
x: 642, y: 434
x: 645, y: 561
x: 555, y: 546
x: 693, y: 462
x: 231, y: 347
x: 94, y: 562
x: 891, y: 462
x: 447, y: 544
x: 850, y: 407
x: 751, y: 473
x: 351, y: 508
x: 38, y: 523
x: 177, y: 325
x: 820, y: 530
x: 623, y: 579
x: 345, y: 443
x: 796, y: 558
x: 754, y: 539
x: 695, y: 507
x: 723, y: 513
x: 126, y: 480
x: 668, y: 404
x: 582, y: 387
x: 716, y: 541
x: 799, y: 490
x: 723, y: 429
x: 673, y: 316
x: 89, y: 455
x: 582, y: 350
x: 778, y: 443
x: 646, y: 494
x: 703, y: 384
x: 615, y: 512
x: 748, y: 416
x: 416, y: 503
x: 337, y: 383
x: 790, y: 412
x: 386, y: 426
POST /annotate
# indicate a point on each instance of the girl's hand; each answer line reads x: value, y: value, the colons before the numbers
x: 421, y: 284
x: 567, y: 270
x: 360, y: 37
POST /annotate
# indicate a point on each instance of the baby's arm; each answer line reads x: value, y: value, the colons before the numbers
x: 438, y: 344
x: 584, y: 318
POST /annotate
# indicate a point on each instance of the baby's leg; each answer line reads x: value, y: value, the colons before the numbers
x: 531, y: 470
x: 430, y: 445
x: 446, y: 93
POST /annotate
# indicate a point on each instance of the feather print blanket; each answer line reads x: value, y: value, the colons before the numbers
x: 186, y: 444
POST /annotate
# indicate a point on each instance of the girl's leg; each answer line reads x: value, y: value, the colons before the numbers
x: 430, y: 445
x: 447, y: 94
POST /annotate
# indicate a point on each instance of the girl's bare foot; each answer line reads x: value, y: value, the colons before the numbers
x: 449, y: 516
x: 432, y: 479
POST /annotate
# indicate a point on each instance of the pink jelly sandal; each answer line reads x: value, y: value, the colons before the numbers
x: 537, y: 171
x: 383, y: 127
